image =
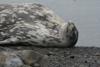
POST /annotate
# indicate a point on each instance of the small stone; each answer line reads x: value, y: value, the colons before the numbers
x: 25, y: 66
x: 81, y: 65
x: 85, y: 61
x: 50, y: 53
x: 97, y: 54
x: 36, y: 65
x: 67, y: 53
x: 72, y: 57
x: 19, y: 47
x: 98, y: 62
x: 56, y: 49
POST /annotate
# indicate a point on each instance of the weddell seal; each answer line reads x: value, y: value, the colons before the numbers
x: 34, y: 24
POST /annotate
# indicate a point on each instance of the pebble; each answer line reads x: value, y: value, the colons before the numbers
x: 97, y: 54
x: 66, y: 53
x: 50, y: 53
x: 81, y: 66
x: 36, y: 65
x: 98, y: 61
x: 72, y: 57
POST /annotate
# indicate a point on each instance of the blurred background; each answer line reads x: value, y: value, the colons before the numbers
x: 84, y: 13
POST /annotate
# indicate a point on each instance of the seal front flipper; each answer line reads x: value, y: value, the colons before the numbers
x: 9, y: 41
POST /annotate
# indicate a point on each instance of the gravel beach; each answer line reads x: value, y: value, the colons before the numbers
x: 67, y: 57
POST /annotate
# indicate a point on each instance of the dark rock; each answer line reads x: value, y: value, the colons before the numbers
x: 72, y: 57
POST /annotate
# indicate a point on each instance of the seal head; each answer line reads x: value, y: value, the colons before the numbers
x: 69, y: 34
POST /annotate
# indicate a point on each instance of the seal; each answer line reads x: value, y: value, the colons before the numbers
x: 34, y: 24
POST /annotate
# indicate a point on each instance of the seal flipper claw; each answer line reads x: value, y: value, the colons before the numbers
x: 9, y: 41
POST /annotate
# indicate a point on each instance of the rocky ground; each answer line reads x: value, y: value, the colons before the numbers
x: 67, y: 57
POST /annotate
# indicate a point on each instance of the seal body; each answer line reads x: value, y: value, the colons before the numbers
x: 34, y: 24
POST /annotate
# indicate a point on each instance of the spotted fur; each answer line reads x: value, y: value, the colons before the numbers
x: 34, y: 24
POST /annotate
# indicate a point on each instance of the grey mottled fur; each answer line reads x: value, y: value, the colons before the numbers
x: 34, y: 24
